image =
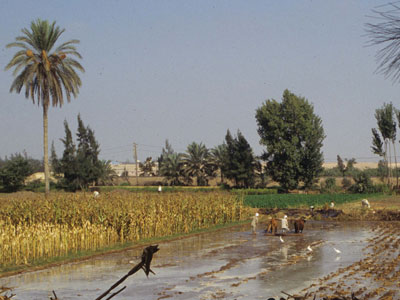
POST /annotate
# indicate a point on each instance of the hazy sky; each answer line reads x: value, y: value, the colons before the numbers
x: 189, y: 70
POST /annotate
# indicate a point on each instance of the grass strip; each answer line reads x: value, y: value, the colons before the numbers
x: 302, y: 200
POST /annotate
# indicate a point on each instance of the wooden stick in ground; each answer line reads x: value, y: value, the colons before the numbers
x: 116, y: 293
x: 147, y: 256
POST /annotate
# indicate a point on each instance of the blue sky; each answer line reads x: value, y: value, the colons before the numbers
x: 189, y: 70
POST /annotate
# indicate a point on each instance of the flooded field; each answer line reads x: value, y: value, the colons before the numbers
x: 227, y: 264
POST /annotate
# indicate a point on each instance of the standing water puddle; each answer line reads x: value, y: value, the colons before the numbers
x: 227, y: 264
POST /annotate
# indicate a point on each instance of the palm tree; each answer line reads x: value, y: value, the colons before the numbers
x: 45, y: 74
x: 197, y: 163
x: 219, y: 159
x: 171, y: 168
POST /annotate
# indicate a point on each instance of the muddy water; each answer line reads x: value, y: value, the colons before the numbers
x: 228, y: 264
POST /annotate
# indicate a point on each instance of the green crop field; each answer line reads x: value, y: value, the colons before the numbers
x: 302, y: 200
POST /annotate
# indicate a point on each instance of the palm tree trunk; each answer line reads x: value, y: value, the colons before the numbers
x: 395, y: 163
x: 390, y: 164
x: 45, y: 150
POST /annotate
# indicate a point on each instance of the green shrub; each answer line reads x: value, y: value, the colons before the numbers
x: 362, y: 184
x: 346, y: 183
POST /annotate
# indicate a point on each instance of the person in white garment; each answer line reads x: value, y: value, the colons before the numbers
x: 254, y: 223
x: 285, y: 225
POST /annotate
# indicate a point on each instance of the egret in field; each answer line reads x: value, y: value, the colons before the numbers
x: 96, y: 194
x: 337, y: 250
x: 309, y: 248
x: 280, y: 237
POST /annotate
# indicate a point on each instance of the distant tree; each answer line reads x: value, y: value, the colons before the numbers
x: 350, y: 164
x: 79, y: 166
x: 107, y: 173
x: 171, y: 168
x: 293, y: 137
x: 362, y: 183
x: 45, y: 74
x: 14, y: 172
x: 167, y: 150
x: 219, y: 159
x: 260, y: 172
x: 385, y: 118
x: 341, y: 165
x: 377, y: 144
x: 147, y: 167
x: 67, y: 166
x: 240, y: 163
x: 382, y: 170
x: 196, y: 163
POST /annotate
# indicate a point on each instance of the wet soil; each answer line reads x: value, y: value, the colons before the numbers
x: 235, y: 264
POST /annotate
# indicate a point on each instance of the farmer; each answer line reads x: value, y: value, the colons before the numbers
x: 285, y: 225
x: 254, y: 223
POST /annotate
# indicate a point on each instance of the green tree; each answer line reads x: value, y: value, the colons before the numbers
x: 80, y: 166
x: 362, y: 183
x: 68, y: 165
x: 14, y: 172
x: 107, y: 173
x: 87, y: 156
x: 197, y: 163
x: 341, y: 166
x: 147, y: 167
x: 387, y: 128
x: 46, y: 74
x: 293, y: 136
x: 219, y: 159
x: 171, y: 168
x: 240, y: 162
x: 167, y: 150
x: 260, y: 173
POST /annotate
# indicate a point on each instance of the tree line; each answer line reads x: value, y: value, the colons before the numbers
x: 290, y: 131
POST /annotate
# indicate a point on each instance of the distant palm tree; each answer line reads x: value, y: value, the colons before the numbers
x: 171, y: 168
x: 219, y: 159
x: 45, y: 73
x: 197, y: 163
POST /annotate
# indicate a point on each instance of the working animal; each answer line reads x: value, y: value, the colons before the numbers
x: 299, y: 225
x: 272, y: 226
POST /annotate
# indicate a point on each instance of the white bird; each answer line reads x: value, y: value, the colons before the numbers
x: 309, y: 248
x: 96, y: 194
x: 280, y: 237
x: 337, y: 250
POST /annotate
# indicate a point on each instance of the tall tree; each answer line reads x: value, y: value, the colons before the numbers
x: 240, y: 162
x: 167, y: 150
x: 171, y: 168
x: 219, y: 159
x: 46, y: 74
x: 147, y: 167
x: 87, y: 155
x: 387, y: 127
x: 293, y: 135
x: 68, y: 165
x: 341, y: 165
x: 197, y: 163
x: 14, y: 172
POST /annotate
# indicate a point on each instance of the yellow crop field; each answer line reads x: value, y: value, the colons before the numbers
x: 33, y: 227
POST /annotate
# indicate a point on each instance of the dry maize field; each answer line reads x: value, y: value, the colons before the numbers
x: 34, y: 228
